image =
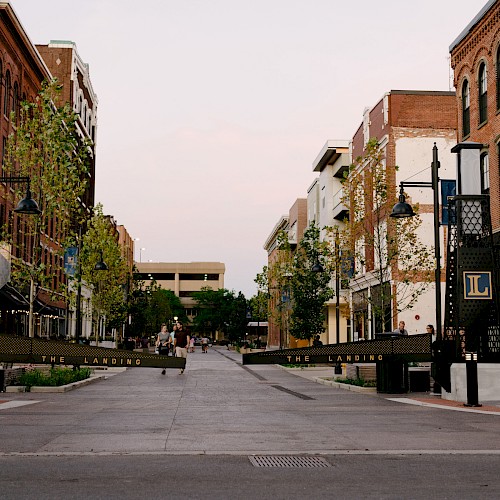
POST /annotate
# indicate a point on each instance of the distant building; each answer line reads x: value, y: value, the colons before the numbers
x: 294, y: 225
x: 326, y: 209
x: 184, y: 278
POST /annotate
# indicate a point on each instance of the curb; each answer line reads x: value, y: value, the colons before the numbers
x: 347, y: 387
x: 61, y: 388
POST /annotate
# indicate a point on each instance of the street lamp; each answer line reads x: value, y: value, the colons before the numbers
x: 27, y: 205
x: 402, y: 209
x: 100, y: 266
x: 140, y: 253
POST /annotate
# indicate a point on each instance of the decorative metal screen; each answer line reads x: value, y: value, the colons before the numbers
x: 409, y: 348
x: 471, y: 304
x: 28, y: 350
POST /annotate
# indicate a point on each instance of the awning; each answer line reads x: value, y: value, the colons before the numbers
x: 46, y: 310
x: 11, y: 298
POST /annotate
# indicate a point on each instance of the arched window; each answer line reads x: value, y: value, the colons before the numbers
x: 483, y: 93
x: 15, y: 98
x: 465, y: 108
x: 498, y: 78
x: 6, y: 97
x: 484, y: 164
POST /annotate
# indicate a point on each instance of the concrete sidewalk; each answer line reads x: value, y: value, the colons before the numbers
x: 220, y: 407
x: 323, y: 374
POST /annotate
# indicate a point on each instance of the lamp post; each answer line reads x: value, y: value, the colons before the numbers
x: 403, y: 209
x: 27, y: 206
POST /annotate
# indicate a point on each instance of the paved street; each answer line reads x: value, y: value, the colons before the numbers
x: 190, y: 436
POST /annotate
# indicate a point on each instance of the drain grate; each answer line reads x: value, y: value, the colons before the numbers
x: 288, y: 461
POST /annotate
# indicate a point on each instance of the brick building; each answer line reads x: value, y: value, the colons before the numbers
x: 22, y: 71
x: 65, y: 64
x: 406, y: 125
x: 293, y: 225
x: 475, y: 60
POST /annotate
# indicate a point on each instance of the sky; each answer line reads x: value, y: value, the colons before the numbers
x: 211, y: 113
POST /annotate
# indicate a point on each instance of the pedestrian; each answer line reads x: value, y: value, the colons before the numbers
x: 204, y: 344
x: 430, y: 329
x: 400, y: 330
x: 191, y: 344
x: 181, y: 343
x: 172, y: 335
x: 163, y: 343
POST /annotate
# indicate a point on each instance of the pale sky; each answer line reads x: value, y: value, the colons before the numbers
x: 211, y: 112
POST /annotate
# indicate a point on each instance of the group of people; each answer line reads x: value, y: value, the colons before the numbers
x: 401, y: 329
x: 175, y: 342
x: 178, y: 342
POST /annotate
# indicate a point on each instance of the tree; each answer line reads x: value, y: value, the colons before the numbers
x: 274, y: 288
x: 45, y: 147
x: 220, y: 310
x: 108, y: 286
x: 387, y: 254
x: 310, y: 290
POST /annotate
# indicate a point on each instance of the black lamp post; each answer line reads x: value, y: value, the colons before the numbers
x: 100, y: 266
x: 27, y: 205
x: 403, y: 209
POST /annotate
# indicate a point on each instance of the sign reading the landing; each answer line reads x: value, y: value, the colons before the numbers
x: 477, y: 285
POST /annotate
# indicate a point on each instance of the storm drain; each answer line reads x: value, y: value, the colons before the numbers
x: 288, y: 461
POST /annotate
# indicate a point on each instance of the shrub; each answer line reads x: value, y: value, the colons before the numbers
x: 357, y: 381
x: 55, y: 378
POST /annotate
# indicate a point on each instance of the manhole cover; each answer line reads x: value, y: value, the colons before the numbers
x: 274, y: 461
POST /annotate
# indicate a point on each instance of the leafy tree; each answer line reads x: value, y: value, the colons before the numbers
x: 387, y: 253
x: 45, y: 146
x: 109, y: 292
x: 310, y: 290
x: 220, y: 310
x: 274, y: 286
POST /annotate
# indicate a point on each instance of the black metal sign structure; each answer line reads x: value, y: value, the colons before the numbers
x: 38, y: 351
x: 472, y: 322
x: 404, y: 348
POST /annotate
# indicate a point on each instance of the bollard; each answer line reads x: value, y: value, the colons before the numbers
x: 471, y: 374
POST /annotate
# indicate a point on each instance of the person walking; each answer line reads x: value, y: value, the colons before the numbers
x: 163, y: 343
x: 204, y: 344
x: 172, y: 335
x: 191, y: 344
x: 181, y: 343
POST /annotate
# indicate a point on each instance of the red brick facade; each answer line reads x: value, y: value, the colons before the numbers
x: 478, y: 48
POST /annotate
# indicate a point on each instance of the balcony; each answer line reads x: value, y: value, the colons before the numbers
x: 340, y: 211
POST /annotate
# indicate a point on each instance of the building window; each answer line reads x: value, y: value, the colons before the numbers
x: 15, y: 100
x: 483, y: 93
x: 498, y: 78
x: 465, y: 108
x: 485, y: 173
x: 6, y: 98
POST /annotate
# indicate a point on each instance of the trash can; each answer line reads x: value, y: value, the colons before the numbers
x: 392, y: 376
x: 419, y: 379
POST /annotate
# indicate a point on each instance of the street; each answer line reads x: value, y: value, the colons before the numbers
x: 139, y: 433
